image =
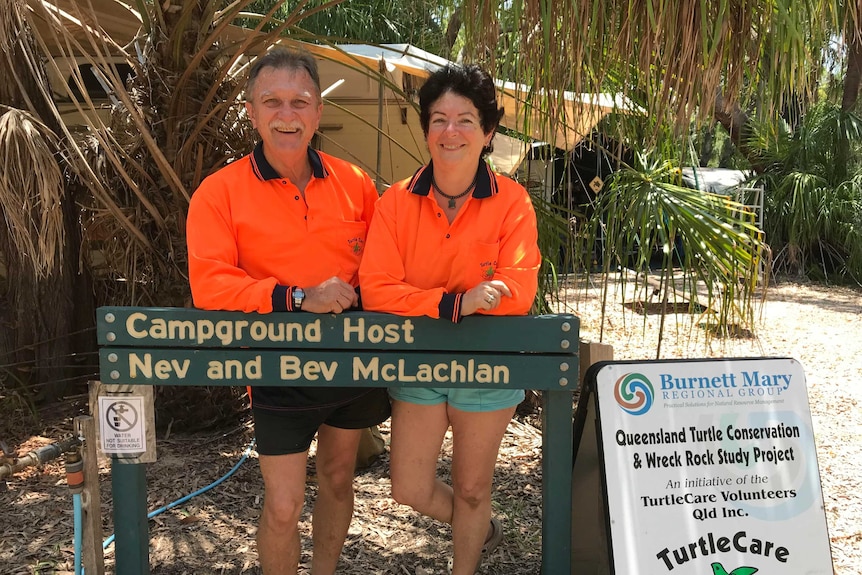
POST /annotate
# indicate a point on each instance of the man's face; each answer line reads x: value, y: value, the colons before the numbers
x: 284, y: 108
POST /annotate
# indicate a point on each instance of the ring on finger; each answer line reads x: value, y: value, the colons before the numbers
x: 489, y: 299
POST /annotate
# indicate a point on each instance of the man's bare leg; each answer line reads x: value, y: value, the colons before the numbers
x: 333, y: 510
x: 284, y: 494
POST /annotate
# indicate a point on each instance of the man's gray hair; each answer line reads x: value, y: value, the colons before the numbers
x: 280, y: 57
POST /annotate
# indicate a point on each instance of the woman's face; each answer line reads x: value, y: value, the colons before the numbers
x: 455, y: 134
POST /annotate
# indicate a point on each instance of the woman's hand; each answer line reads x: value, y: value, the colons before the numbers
x: 485, y: 296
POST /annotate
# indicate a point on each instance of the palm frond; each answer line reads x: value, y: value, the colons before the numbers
x: 31, y: 189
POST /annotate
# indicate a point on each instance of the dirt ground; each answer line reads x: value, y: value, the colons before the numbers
x: 214, y: 533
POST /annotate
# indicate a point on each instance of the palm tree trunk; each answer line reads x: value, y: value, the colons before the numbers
x: 850, y: 95
x: 38, y: 312
x: 853, y: 73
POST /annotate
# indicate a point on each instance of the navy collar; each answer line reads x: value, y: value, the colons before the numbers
x: 264, y: 170
x: 486, y: 183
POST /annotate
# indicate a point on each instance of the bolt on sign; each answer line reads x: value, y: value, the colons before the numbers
x: 709, y: 467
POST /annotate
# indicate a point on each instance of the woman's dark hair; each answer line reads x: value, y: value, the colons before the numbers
x: 286, y: 59
x: 471, y: 82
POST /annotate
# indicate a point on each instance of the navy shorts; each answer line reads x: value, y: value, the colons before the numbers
x: 284, y: 431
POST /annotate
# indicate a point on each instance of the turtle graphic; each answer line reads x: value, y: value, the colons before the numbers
x: 718, y: 569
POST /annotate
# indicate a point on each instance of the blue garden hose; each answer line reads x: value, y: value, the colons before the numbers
x: 78, y: 522
x: 150, y: 515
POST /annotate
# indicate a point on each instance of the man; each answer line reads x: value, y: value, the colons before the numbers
x: 283, y: 230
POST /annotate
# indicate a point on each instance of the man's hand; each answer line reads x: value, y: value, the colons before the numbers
x: 332, y: 296
x: 485, y: 296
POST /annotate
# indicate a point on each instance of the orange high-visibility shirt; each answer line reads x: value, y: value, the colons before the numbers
x: 417, y: 263
x: 252, y: 237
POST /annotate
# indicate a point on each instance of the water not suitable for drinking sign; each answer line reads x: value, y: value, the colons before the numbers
x: 122, y: 424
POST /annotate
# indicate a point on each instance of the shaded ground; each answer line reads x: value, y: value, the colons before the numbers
x: 214, y: 532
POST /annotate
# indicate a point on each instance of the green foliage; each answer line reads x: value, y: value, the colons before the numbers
x: 367, y: 21
x: 705, y: 244
x: 813, y: 181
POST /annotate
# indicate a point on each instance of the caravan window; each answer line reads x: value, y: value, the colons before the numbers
x: 93, y: 81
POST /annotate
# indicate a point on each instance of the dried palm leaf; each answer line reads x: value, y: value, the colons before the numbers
x: 31, y: 189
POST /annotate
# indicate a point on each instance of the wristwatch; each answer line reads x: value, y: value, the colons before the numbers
x: 298, y: 296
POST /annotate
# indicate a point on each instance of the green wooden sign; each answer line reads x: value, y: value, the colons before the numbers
x: 335, y: 368
x: 180, y: 346
x: 193, y: 328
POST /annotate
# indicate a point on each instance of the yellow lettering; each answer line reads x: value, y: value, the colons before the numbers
x: 130, y: 325
x: 328, y: 370
x: 408, y: 331
x: 253, y: 369
x: 424, y: 374
x: 458, y: 372
x: 310, y: 370
x: 359, y: 330
x: 180, y: 368
x: 362, y: 371
x: 402, y: 376
x: 290, y: 367
x: 312, y: 331
x: 206, y: 329
x: 163, y: 369
x: 145, y: 366
x: 387, y: 372
x: 257, y: 330
x: 501, y: 374
x: 215, y: 370
x: 233, y: 369
x: 181, y: 329
x: 375, y: 334
x: 240, y: 324
x: 158, y: 329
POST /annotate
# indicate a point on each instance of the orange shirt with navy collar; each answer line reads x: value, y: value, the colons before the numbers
x: 417, y: 263
x: 252, y: 237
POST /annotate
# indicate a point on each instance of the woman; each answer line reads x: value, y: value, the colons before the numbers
x: 454, y: 240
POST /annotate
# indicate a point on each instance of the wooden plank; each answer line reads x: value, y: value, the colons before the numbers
x: 92, y: 557
x: 218, y: 367
x: 193, y: 328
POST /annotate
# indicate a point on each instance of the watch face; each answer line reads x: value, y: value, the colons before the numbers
x: 298, y: 297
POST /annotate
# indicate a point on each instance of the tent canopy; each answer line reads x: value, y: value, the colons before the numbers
x: 574, y: 115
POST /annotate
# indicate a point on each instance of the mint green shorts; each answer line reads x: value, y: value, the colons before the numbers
x: 464, y: 399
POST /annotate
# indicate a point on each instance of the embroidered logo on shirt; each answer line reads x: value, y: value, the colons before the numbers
x: 356, y: 244
x: 488, y: 269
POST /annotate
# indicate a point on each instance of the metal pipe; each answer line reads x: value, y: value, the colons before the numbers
x: 39, y: 456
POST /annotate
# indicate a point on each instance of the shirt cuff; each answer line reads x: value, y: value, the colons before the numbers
x: 282, y: 298
x: 450, y: 307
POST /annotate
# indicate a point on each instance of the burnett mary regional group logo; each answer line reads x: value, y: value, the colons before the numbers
x: 634, y: 393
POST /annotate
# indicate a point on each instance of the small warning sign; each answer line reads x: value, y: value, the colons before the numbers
x: 122, y: 429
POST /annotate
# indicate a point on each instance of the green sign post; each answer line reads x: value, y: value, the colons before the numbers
x: 179, y: 346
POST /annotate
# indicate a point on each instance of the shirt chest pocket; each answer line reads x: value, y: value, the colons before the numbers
x: 343, y: 241
x: 475, y: 262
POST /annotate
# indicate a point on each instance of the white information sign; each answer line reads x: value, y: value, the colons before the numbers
x: 122, y: 424
x: 711, y: 468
